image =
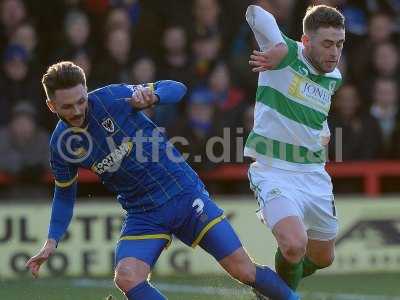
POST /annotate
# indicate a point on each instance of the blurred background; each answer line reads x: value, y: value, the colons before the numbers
x: 206, y: 45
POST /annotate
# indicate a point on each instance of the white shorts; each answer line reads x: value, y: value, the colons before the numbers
x: 283, y: 193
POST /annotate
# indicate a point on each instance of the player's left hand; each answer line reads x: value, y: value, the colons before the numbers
x: 42, y: 256
x: 268, y: 60
x: 143, y: 98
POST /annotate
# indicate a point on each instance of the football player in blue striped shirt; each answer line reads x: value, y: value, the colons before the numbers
x: 106, y: 132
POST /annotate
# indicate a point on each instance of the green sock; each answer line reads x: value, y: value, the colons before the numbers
x: 309, y: 267
x: 289, y: 272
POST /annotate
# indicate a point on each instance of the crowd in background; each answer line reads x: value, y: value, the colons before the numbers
x: 202, y: 43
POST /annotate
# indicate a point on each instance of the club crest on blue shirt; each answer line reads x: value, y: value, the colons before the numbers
x: 108, y: 125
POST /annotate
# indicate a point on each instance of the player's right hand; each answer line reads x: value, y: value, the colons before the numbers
x: 36, y: 261
x: 269, y: 59
x: 143, y: 98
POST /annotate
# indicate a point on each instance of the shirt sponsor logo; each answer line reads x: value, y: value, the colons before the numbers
x: 308, y: 91
x: 114, y: 159
x: 315, y: 92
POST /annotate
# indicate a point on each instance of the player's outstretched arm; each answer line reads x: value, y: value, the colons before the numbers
x: 61, y: 215
x: 161, y: 92
x: 264, y: 27
x: 169, y: 91
x: 269, y: 38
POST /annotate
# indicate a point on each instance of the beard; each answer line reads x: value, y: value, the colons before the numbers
x: 315, y: 59
x: 315, y: 63
x: 70, y: 124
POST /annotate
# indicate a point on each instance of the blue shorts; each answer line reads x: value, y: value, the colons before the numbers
x: 192, y: 217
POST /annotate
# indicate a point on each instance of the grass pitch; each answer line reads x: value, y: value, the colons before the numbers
x: 322, y: 287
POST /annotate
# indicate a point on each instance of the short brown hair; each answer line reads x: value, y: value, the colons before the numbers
x: 322, y: 16
x: 62, y: 75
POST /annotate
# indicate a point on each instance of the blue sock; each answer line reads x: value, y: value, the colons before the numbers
x: 271, y: 285
x: 144, y: 291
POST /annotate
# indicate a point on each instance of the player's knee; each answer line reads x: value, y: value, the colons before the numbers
x: 126, y: 279
x: 294, y: 250
x: 324, y: 261
x: 128, y: 274
x: 292, y: 238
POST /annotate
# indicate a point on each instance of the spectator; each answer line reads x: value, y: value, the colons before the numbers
x: 357, y: 13
x: 114, y: 66
x: 385, y: 63
x: 374, y: 6
x: 154, y: 17
x: 174, y: 63
x: 118, y: 18
x: 26, y: 36
x: 84, y: 60
x: 385, y: 108
x: 132, y: 8
x: 17, y: 81
x: 210, y: 18
x: 206, y: 17
x: 354, y: 135
x: 12, y: 14
x: 24, y: 152
x: 229, y: 99
x: 206, y: 51
x: 386, y: 60
x: 281, y: 10
x: 143, y: 71
x: 77, y: 32
x: 208, y: 107
x: 196, y: 129
x: 381, y: 28
x: 380, y: 31
x: 244, y: 43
